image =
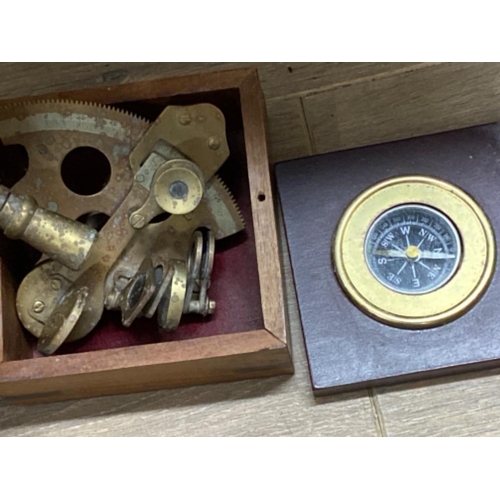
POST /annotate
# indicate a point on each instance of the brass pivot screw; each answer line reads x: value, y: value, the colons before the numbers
x: 184, y: 119
x: 214, y: 143
x: 55, y: 284
x: 204, y: 308
x: 38, y: 306
x: 137, y: 221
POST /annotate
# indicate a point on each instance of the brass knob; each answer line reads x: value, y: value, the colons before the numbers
x: 180, y: 187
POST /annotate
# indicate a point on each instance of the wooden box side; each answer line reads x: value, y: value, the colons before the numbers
x: 234, y: 355
x: 144, y: 368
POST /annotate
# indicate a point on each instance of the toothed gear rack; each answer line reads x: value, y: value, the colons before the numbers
x: 142, y: 241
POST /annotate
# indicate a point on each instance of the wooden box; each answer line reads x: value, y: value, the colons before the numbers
x: 253, y: 340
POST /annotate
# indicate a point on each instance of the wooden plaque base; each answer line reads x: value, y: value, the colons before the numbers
x: 347, y: 349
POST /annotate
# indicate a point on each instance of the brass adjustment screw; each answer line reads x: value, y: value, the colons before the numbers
x: 55, y: 284
x: 184, y: 119
x: 137, y: 221
x: 38, y: 306
x: 214, y: 143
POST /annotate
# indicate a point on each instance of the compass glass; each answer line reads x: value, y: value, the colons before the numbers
x: 413, y: 249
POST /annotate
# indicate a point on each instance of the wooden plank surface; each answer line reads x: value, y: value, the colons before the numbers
x: 278, y: 79
x: 371, y: 102
x: 287, y: 130
x: 466, y: 405
x: 404, y: 104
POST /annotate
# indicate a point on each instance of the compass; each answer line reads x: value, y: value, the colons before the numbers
x: 413, y: 249
x: 414, y: 252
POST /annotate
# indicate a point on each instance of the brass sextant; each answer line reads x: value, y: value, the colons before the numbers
x: 143, y: 242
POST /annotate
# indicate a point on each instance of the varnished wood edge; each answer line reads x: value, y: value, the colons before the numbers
x: 181, y: 351
x: 240, y: 366
x: 148, y: 89
x: 428, y: 377
x: 263, y: 210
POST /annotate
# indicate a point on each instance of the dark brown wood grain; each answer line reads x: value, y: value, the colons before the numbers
x: 13, y: 341
x: 232, y: 356
x: 346, y: 348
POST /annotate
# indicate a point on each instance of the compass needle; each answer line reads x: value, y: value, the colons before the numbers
x: 390, y: 253
x: 436, y: 255
x: 392, y: 229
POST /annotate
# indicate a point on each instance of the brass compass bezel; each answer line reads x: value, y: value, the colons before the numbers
x: 437, y: 307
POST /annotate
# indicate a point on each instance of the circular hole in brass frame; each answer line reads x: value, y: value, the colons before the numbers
x: 435, y: 308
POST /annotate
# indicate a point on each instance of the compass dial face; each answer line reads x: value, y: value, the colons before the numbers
x: 414, y: 252
x: 413, y: 249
